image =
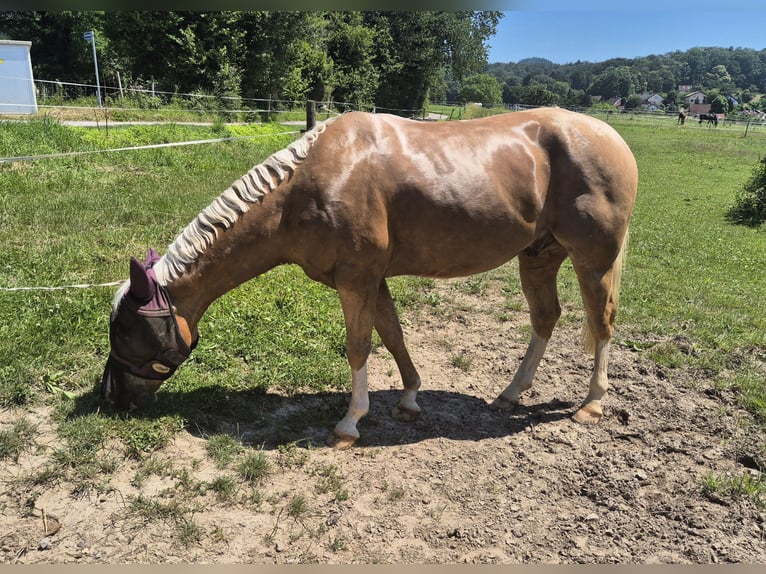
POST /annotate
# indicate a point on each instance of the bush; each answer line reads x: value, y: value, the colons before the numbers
x: 750, y: 203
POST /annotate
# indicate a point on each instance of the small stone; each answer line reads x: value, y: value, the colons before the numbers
x: 580, y: 542
x: 45, y: 544
x: 592, y: 517
x: 278, y: 547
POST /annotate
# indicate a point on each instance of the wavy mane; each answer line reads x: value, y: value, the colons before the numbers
x: 228, y: 207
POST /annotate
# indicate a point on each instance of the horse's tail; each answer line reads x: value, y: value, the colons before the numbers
x: 588, y: 338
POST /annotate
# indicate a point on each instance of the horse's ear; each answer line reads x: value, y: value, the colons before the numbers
x: 141, y: 286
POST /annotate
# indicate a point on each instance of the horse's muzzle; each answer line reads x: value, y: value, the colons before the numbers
x: 126, y: 391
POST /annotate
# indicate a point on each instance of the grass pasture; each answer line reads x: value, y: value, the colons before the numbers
x: 693, y: 300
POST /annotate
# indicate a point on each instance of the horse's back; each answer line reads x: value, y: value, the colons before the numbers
x: 455, y: 198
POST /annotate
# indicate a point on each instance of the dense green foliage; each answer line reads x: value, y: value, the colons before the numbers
x: 737, y: 72
x: 395, y: 60
x: 750, y: 204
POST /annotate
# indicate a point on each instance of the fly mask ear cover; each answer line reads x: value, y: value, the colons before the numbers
x: 143, y: 333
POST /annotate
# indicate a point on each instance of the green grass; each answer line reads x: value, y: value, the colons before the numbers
x: 692, y: 299
x: 17, y: 439
x: 690, y: 272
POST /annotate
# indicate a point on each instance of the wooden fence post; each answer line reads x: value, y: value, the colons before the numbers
x: 311, y: 114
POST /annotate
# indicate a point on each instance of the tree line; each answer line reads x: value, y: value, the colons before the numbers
x: 725, y: 75
x: 393, y: 60
x: 396, y: 60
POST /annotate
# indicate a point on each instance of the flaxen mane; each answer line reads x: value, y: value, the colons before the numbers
x: 231, y: 205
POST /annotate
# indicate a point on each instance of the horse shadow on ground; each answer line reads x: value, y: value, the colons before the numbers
x: 268, y: 420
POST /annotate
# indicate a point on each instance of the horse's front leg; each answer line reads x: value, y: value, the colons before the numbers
x: 358, y: 301
x: 390, y: 330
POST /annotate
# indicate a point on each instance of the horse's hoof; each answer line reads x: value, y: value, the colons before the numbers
x: 587, y: 416
x: 340, y: 441
x: 505, y: 404
x: 403, y: 414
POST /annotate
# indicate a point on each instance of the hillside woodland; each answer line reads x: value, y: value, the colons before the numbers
x: 391, y: 60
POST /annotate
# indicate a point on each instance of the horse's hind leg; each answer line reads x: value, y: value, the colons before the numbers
x: 390, y: 330
x: 599, y: 293
x: 538, y: 268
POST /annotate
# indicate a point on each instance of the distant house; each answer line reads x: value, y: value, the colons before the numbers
x: 616, y: 102
x: 684, y: 88
x: 732, y: 101
x: 695, y: 97
x: 652, y: 101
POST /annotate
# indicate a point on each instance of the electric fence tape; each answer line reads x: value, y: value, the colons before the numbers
x: 149, y: 146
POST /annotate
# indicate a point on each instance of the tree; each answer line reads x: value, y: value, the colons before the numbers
x: 633, y: 102
x: 413, y: 48
x: 58, y: 50
x: 719, y: 105
x: 614, y: 82
x: 481, y: 88
x: 350, y: 47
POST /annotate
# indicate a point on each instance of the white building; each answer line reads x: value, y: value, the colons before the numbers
x: 17, y: 86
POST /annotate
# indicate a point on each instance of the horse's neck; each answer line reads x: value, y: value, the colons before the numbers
x: 252, y: 246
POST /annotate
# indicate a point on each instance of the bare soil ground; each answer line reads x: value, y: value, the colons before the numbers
x: 464, y: 483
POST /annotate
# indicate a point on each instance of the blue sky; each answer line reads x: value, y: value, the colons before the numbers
x: 540, y: 29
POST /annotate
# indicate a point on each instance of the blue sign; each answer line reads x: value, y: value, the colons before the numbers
x: 88, y: 36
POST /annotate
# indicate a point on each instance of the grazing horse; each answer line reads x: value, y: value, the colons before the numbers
x: 364, y: 197
x: 711, y: 119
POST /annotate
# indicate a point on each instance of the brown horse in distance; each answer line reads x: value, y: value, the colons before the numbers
x: 365, y: 197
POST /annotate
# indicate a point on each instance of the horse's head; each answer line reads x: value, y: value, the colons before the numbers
x: 146, y: 343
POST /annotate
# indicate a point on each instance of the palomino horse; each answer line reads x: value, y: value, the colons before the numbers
x: 364, y: 197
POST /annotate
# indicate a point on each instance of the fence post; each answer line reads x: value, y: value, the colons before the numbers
x: 311, y: 114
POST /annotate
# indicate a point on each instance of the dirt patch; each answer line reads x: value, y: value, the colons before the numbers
x: 464, y: 483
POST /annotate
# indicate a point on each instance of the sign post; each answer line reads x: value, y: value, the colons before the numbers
x: 90, y: 36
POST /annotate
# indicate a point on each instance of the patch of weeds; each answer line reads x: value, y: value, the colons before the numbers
x: 225, y: 488
x: 254, y: 467
x: 49, y: 475
x: 189, y: 531
x: 291, y: 456
x: 223, y: 449
x: 330, y: 480
x: 16, y: 388
x: 668, y: 354
x: 338, y: 544
x: 82, y: 458
x: 297, y: 507
x: 149, y: 466
x: 474, y: 285
x: 396, y: 493
x: 142, y: 436
x: 173, y: 510
x: 733, y: 486
x: 16, y: 440
x: 255, y: 498
x: 462, y: 361
x: 218, y: 535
